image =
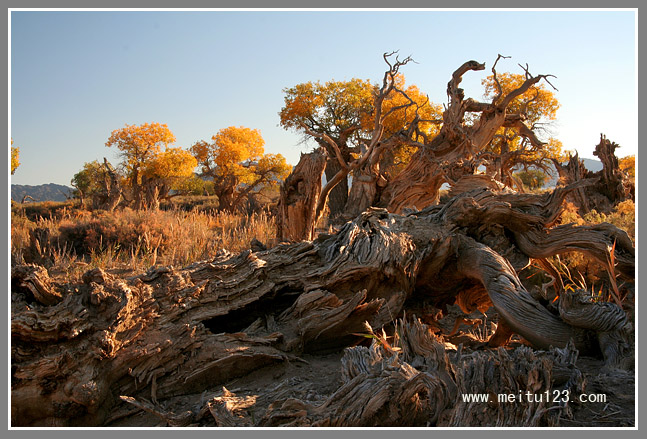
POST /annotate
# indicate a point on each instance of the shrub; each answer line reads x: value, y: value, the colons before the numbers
x: 532, y: 178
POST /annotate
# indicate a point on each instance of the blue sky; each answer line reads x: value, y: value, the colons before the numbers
x: 76, y: 76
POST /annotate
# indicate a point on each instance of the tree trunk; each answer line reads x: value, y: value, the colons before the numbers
x: 297, y: 207
x: 338, y: 196
x: 366, y: 186
x: 82, y: 352
x: 151, y: 194
x: 112, y: 193
x: 225, y: 195
x: 613, y: 184
x: 419, y: 183
x: 471, y: 182
x: 575, y: 171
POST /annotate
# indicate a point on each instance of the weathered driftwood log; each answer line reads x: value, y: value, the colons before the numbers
x: 574, y: 171
x: 470, y: 182
x: 77, y: 348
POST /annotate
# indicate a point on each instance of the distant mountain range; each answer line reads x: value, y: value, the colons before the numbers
x: 42, y: 192
x: 592, y: 165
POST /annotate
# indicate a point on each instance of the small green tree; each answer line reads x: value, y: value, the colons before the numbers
x: 194, y: 185
x: 532, y: 178
x: 89, y: 180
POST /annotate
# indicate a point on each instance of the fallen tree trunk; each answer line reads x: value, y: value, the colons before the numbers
x: 77, y: 348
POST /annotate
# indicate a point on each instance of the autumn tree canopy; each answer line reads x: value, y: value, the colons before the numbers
x: 340, y: 109
x: 524, y: 140
x: 15, y: 157
x: 152, y: 167
x: 170, y: 169
x: 236, y: 161
x: 353, y: 113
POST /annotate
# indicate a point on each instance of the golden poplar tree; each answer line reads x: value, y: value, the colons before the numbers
x: 238, y: 165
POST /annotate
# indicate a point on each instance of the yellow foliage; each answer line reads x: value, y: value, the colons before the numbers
x: 235, y: 145
x: 537, y: 102
x: 237, y: 163
x: 140, y: 144
x: 274, y: 164
x: 147, y: 153
x: 200, y: 151
x: 570, y: 215
x: 331, y: 107
x: 539, y: 106
x: 172, y: 163
x: 622, y: 216
x: 396, y: 121
x: 337, y: 106
x: 628, y: 166
x: 426, y: 111
x: 15, y: 158
x: 554, y: 148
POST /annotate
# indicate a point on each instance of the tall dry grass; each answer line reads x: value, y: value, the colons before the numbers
x: 582, y: 272
x: 76, y: 240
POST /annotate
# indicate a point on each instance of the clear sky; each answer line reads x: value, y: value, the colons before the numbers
x: 76, y: 76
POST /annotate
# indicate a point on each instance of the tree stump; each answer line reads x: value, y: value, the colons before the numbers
x: 297, y: 208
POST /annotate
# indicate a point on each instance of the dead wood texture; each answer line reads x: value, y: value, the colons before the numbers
x: 111, y: 195
x: 417, y: 381
x: 82, y: 351
x: 362, y: 160
x: 419, y: 183
x: 299, y: 198
x: 612, y: 186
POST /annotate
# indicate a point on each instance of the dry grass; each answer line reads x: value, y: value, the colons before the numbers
x: 77, y: 240
x: 600, y: 279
